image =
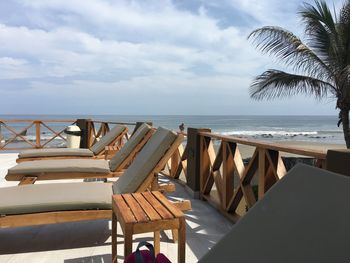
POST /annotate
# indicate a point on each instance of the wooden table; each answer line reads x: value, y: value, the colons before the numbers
x: 146, y: 212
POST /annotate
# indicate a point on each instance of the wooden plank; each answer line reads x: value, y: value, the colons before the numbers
x: 251, y: 168
x: 123, y: 209
x: 228, y: 173
x: 53, y: 218
x: 183, y: 205
x: 148, y: 209
x: 270, y: 178
x: 272, y: 158
x: 55, y: 176
x: 20, y: 160
x: 237, y: 161
x: 183, y: 163
x: 135, y: 207
x: 208, y: 184
x: 114, y: 238
x: 162, y: 211
x: 219, y: 156
x: 167, y: 204
x: 174, y: 163
x: 248, y: 194
x: 37, y: 134
x: 235, y: 200
x: 167, y: 187
x: 204, y: 163
x: 159, y: 225
x: 27, y: 180
x: 181, y: 253
x: 219, y: 185
x: 262, y: 173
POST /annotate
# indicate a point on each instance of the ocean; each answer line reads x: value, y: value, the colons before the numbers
x: 321, y: 129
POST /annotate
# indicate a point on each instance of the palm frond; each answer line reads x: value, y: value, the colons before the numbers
x: 277, y: 84
x: 321, y: 30
x: 291, y: 50
x: 344, y: 31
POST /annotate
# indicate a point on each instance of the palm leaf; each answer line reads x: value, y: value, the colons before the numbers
x: 321, y: 30
x: 277, y: 84
x: 291, y: 50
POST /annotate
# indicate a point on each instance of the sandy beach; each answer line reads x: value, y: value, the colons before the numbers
x: 247, y: 151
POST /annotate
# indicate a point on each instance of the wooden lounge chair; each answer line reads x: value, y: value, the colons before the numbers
x: 38, y: 204
x: 304, y: 217
x: 29, y: 172
x: 96, y: 151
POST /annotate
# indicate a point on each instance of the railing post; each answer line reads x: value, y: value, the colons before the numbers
x: 37, y: 134
x: 193, y: 159
x: 84, y: 125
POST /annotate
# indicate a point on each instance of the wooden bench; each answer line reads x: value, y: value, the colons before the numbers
x: 146, y: 212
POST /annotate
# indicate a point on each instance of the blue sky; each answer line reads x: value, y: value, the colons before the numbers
x: 140, y: 57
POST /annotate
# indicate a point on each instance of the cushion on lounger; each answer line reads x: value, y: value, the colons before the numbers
x: 129, y: 146
x: 304, y: 217
x: 89, y: 166
x: 145, y: 161
x: 50, y: 152
x: 107, y: 139
x: 54, y: 197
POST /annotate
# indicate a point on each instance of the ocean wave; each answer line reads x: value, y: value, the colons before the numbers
x: 270, y: 133
x: 331, y: 132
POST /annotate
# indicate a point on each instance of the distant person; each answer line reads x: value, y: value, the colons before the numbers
x: 182, y: 127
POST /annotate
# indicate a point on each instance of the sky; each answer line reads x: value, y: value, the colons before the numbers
x: 181, y: 57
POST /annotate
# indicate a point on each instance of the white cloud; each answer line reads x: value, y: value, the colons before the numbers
x: 150, y: 50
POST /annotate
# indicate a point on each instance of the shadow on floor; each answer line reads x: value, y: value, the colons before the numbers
x: 106, y: 258
x: 54, y: 237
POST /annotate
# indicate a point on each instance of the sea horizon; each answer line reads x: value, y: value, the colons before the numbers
x: 307, y: 128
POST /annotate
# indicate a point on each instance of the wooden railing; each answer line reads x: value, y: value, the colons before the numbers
x: 14, y: 135
x: 97, y: 129
x: 29, y: 134
x: 232, y: 184
x: 176, y: 167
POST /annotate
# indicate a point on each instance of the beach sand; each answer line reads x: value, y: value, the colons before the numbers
x: 247, y: 151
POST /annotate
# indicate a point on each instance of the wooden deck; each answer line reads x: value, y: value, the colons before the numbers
x: 90, y: 241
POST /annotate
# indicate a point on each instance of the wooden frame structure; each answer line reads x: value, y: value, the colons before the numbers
x: 93, y: 129
x: 150, y: 183
x: 38, y: 124
x: 226, y: 182
x: 146, y: 212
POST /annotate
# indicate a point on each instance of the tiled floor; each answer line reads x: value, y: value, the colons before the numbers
x: 90, y: 241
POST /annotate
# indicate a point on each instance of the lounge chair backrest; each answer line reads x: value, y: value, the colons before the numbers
x: 145, y: 161
x: 107, y: 139
x: 304, y: 217
x: 129, y: 146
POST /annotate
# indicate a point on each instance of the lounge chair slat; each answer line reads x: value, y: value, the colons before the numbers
x: 165, y: 214
x: 123, y: 207
x: 173, y: 209
x: 136, y: 209
x: 149, y: 210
